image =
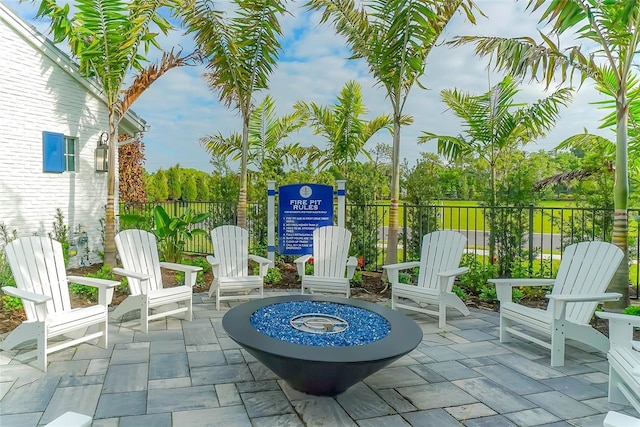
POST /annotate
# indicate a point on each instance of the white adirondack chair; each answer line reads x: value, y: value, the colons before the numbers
x: 138, y: 252
x: 230, y: 264
x: 38, y: 268
x: 583, y: 276
x: 439, y: 265
x: 624, y: 359
x: 333, y: 268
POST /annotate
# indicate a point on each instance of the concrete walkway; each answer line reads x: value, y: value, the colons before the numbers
x: 191, y: 374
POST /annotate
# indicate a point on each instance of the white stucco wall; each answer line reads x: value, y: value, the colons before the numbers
x: 38, y: 93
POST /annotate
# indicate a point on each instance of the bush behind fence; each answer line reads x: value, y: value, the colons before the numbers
x: 525, y: 238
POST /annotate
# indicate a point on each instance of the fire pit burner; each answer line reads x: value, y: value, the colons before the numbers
x: 319, y: 323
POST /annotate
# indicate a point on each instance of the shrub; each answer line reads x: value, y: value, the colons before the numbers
x: 61, y: 234
x: 633, y: 310
x: 6, y: 278
x: 357, y: 278
x: 274, y: 275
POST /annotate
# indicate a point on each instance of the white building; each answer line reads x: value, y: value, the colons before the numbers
x: 51, y: 119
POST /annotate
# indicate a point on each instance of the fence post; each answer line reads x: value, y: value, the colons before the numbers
x: 341, y: 202
x: 531, y: 240
x: 271, y: 223
x: 404, y: 231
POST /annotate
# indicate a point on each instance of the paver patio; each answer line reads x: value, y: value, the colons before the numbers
x: 191, y: 374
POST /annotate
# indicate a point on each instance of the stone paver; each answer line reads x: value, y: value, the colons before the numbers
x: 192, y: 374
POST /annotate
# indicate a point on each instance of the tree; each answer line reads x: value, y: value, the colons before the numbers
x: 240, y: 55
x: 265, y: 152
x: 394, y: 37
x: 131, y: 171
x: 613, y: 28
x: 174, y: 182
x: 494, y: 125
x: 346, y: 133
x: 108, y: 38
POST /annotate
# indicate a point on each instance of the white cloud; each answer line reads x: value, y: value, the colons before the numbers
x: 180, y: 108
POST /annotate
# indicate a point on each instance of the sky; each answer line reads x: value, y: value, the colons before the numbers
x: 181, y: 109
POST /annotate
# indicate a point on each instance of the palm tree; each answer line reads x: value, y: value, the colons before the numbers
x: 346, y: 133
x: 107, y: 37
x: 266, y: 132
x: 240, y: 53
x: 613, y: 27
x: 495, y: 124
x: 394, y: 37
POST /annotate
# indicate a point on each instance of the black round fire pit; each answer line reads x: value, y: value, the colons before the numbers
x: 322, y: 369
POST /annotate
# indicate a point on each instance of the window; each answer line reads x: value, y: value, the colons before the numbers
x: 59, y: 152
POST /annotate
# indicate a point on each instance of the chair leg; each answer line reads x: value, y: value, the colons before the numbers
x: 442, y: 314
x: 557, y: 343
x: 615, y: 395
x: 41, y: 351
x: 394, y: 300
x: 189, y: 313
x: 505, y: 323
x: 218, y: 298
x: 103, y: 341
x: 144, y: 316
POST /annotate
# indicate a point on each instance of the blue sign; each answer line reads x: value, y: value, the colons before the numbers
x: 301, y: 209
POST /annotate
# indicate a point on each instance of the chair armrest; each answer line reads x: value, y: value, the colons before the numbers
x: 558, y: 303
x: 180, y: 267
x: 627, y: 318
x: 130, y: 273
x: 94, y: 281
x: 453, y: 273
x: 522, y: 282
x: 105, y: 287
x: 25, y: 295
x: 504, y: 286
x: 394, y: 269
x: 611, y: 296
x: 352, y: 263
x: 263, y: 263
x: 211, y: 260
x: 620, y: 328
x: 300, y: 262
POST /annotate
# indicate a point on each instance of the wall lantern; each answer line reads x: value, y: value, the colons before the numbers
x: 102, y: 153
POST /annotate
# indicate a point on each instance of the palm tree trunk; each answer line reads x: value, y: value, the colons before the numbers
x: 110, y: 218
x: 242, y: 198
x: 620, y: 282
x: 392, y: 236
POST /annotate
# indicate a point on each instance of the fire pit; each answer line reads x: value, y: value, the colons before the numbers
x: 321, y: 345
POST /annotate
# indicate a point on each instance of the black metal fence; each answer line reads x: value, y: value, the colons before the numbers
x: 533, y: 236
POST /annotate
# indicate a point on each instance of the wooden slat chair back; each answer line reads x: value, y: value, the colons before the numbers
x: 37, y: 265
x: 441, y: 251
x: 138, y: 250
x: 38, y: 268
x: 586, y: 269
x: 333, y: 268
x: 330, y: 251
x: 230, y: 264
x: 580, y: 285
x: 231, y: 248
x: 439, y: 265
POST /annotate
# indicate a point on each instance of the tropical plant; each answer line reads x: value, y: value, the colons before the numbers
x: 494, y: 125
x: 173, y: 233
x: 612, y: 32
x: 266, y: 152
x: 394, y: 37
x: 343, y: 128
x: 109, y: 38
x: 240, y: 54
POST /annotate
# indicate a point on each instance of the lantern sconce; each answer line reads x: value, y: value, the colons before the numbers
x: 102, y: 153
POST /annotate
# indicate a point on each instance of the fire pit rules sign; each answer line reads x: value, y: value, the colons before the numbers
x: 301, y: 209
